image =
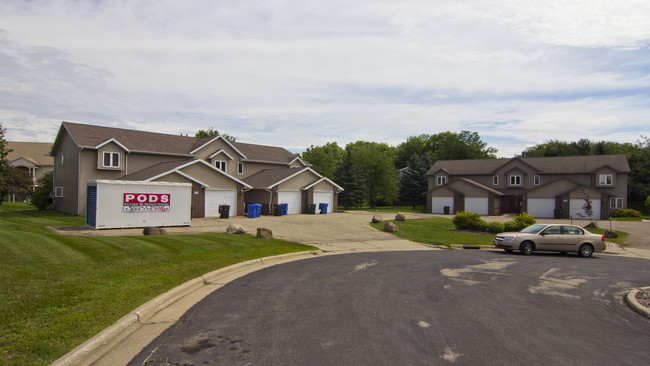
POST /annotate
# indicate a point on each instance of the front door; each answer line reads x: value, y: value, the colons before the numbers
x: 510, y: 204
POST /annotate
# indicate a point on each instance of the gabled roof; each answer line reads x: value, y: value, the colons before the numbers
x: 269, y: 178
x: 163, y: 169
x: 548, y: 165
x: 36, y: 152
x: 476, y: 184
x: 324, y: 179
x: 91, y: 137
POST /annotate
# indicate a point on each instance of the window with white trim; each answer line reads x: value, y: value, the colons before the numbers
x: 441, y: 180
x: 605, y: 180
x: 616, y: 203
x: 221, y: 165
x: 61, y: 159
x: 58, y: 191
x: 515, y: 180
x: 495, y: 180
x: 537, y: 180
x: 240, y: 168
x: 111, y: 159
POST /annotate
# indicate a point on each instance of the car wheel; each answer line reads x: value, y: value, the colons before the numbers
x: 526, y: 247
x: 508, y: 251
x: 586, y: 250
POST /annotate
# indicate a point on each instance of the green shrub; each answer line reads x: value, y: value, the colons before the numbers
x: 646, y: 204
x: 496, y: 227
x: 466, y: 220
x: 524, y: 220
x: 510, y: 226
x: 383, y: 201
x: 626, y: 213
x: 480, y: 225
x: 41, y: 198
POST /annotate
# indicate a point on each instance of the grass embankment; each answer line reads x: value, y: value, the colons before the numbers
x: 436, y: 231
x: 57, y: 291
x: 404, y: 209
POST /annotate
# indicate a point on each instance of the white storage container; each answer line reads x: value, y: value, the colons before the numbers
x: 115, y: 204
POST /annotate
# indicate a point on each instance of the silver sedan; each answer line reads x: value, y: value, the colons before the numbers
x: 551, y: 237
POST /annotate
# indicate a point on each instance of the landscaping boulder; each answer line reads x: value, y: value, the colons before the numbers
x: 591, y: 225
x: 263, y: 233
x: 151, y: 230
x: 611, y: 234
x: 400, y: 217
x: 235, y: 229
x: 376, y: 219
x: 390, y: 227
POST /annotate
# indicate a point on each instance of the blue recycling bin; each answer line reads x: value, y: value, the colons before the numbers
x: 285, y: 208
x: 258, y: 210
x: 254, y: 210
x: 323, y: 208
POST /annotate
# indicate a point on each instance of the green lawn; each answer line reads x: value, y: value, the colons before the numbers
x: 409, y: 209
x: 57, y: 291
x: 436, y: 231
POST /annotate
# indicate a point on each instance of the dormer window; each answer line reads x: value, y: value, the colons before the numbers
x: 111, y: 159
x: 220, y: 164
x: 515, y: 180
x: 441, y: 180
x: 605, y: 180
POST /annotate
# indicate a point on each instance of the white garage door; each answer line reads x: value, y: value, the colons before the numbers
x: 577, y: 211
x: 541, y: 207
x: 324, y: 197
x: 438, y: 204
x: 476, y: 204
x: 213, y: 199
x: 291, y: 198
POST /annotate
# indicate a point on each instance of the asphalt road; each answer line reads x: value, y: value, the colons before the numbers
x: 418, y: 308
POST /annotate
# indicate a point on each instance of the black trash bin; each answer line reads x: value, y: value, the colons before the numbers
x: 446, y: 210
x: 277, y: 210
x: 311, y: 208
x: 224, y: 211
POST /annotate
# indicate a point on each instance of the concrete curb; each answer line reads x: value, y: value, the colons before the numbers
x: 103, y: 342
x: 630, y: 299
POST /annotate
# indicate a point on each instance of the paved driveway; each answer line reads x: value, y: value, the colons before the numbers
x: 418, y: 308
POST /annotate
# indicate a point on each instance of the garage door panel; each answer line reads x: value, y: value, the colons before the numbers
x: 292, y: 199
x: 324, y: 197
x: 478, y: 205
x: 577, y: 211
x: 541, y: 207
x: 215, y: 198
x: 438, y: 204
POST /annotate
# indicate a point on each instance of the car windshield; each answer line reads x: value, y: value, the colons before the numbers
x: 533, y: 229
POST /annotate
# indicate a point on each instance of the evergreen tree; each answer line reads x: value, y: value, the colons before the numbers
x: 15, y: 182
x: 414, y: 181
x: 352, y: 179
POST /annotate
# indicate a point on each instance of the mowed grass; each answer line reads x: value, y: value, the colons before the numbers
x: 405, y: 209
x: 57, y: 291
x: 436, y: 231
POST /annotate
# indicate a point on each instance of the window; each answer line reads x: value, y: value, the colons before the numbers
x: 515, y: 180
x: 616, y: 203
x: 221, y: 165
x: 111, y: 159
x: 441, y: 180
x: 58, y: 191
x: 495, y: 180
x: 240, y: 168
x: 605, y: 180
x: 537, y: 180
x: 572, y: 230
x: 61, y: 159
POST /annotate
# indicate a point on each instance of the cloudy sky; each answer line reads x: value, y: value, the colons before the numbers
x: 308, y: 72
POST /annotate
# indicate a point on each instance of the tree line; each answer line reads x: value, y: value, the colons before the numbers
x: 377, y: 174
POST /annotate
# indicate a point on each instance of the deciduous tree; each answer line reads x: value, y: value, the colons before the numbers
x: 324, y: 159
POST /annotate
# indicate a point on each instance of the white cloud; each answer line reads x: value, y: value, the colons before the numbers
x: 297, y: 73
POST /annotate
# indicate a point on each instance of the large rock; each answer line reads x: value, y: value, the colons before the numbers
x: 235, y: 229
x: 400, y: 217
x: 263, y: 233
x: 151, y: 230
x: 376, y: 219
x: 591, y: 225
x: 390, y: 227
x: 611, y: 234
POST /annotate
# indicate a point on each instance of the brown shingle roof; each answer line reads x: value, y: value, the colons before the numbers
x: 264, y: 152
x: 155, y: 170
x: 548, y: 165
x: 36, y: 152
x: 269, y: 177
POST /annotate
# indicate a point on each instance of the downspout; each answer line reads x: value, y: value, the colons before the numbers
x: 78, y: 178
x: 270, y: 199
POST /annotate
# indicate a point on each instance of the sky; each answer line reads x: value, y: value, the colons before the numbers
x: 309, y: 72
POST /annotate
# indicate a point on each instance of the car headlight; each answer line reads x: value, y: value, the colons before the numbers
x: 509, y: 238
